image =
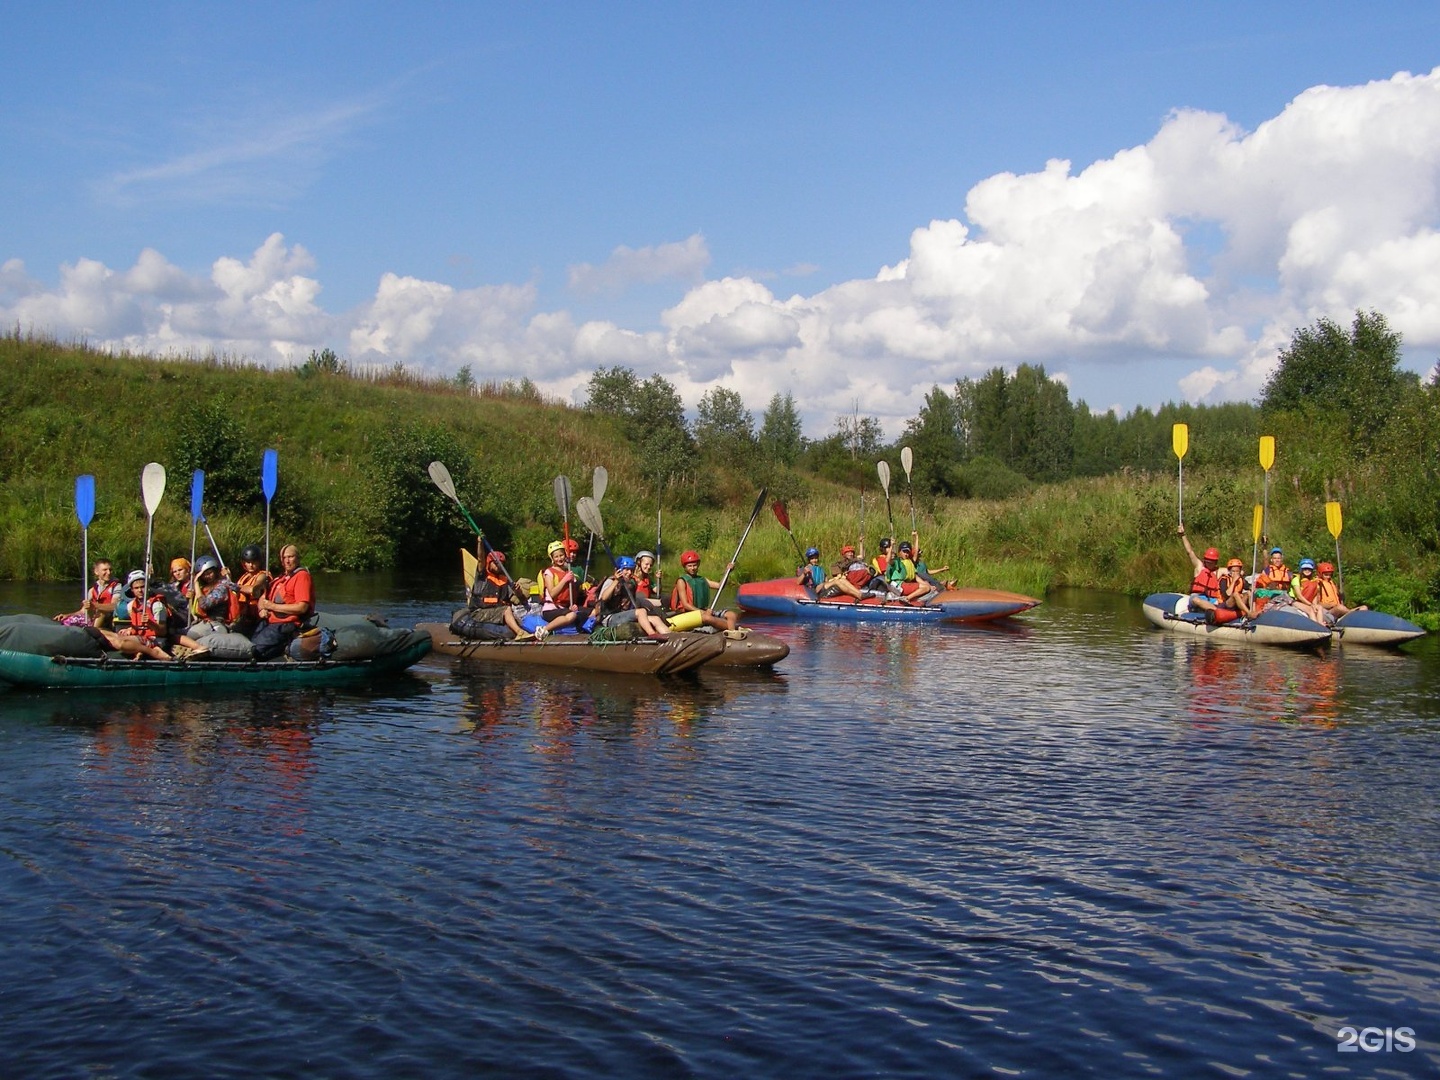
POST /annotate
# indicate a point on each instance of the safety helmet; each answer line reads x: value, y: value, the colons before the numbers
x: 1276, y: 551
x: 572, y: 547
x: 1326, y: 568
x: 847, y: 550
x: 812, y: 553
x: 1211, y: 554
x: 252, y: 553
x: 178, y: 562
x: 132, y: 577
x: 1307, y: 564
x: 496, y: 556
x: 554, y: 546
x: 624, y: 562
x: 645, y: 555
x: 205, y: 563
x: 1234, y: 564
x: 689, y: 556
x: 905, y: 546
x: 885, y: 544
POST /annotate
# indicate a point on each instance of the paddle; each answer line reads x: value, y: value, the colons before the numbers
x: 759, y: 502
x: 152, y: 490
x: 470, y: 567
x: 782, y: 516
x: 197, y: 500
x: 85, y: 511
x: 1267, y: 460
x: 1180, y: 440
x: 1258, y: 524
x: 659, y: 506
x: 440, y: 476
x: 907, y: 459
x: 562, y: 500
x: 1334, y: 521
x: 269, y: 477
x: 599, y: 481
x: 883, y: 468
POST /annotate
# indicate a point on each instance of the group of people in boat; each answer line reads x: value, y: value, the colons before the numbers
x: 259, y: 613
x: 1227, y: 594
x: 898, y: 574
x: 625, y: 605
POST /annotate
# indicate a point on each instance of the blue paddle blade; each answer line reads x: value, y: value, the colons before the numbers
x: 197, y: 495
x: 269, y: 473
x: 85, y: 499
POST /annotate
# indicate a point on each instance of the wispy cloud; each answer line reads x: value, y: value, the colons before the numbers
x: 264, y: 155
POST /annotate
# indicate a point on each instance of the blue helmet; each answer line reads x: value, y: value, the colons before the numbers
x: 1307, y: 564
x: 1276, y: 551
x: 812, y: 553
x: 624, y: 562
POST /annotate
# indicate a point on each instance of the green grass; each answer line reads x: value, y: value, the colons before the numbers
x: 352, y: 453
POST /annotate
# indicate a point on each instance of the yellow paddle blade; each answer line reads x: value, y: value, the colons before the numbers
x: 1259, y: 521
x: 1333, y: 520
x: 1267, y: 451
x: 1180, y: 437
x: 471, y: 565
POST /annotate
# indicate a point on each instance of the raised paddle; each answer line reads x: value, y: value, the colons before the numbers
x: 783, y: 516
x: 1256, y: 526
x: 759, y: 502
x: 197, y: 501
x: 269, y: 479
x: 599, y: 481
x: 1267, y: 461
x: 440, y: 476
x: 1334, y: 522
x: 562, y: 501
x: 85, y: 512
x: 1180, y: 440
x: 659, y: 507
x: 907, y: 459
x: 152, y: 490
x: 883, y: 468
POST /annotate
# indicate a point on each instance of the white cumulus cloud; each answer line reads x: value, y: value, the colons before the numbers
x: 1202, y: 250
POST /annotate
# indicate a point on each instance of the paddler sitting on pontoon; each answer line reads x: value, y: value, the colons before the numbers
x: 692, y: 593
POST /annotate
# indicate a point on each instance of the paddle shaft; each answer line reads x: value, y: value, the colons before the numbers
x: 715, y: 602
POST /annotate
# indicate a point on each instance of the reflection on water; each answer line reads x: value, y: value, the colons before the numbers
x: 1072, y: 845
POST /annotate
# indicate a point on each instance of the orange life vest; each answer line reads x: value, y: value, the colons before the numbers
x: 1327, y: 593
x: 559, y: 587
x: 1206, y: 584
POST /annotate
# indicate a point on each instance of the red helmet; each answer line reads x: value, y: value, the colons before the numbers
x: 496, y: 556
x: 1326, y: 568
x: 847, y: 550
x: 572, y: 547
x: 1211, y: 553
x: 688, y: 557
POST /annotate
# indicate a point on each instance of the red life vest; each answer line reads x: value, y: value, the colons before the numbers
x: 107, y: 596
x: 1206, y: 584
x: 564, y: 593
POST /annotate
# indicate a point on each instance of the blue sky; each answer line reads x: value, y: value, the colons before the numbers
x: 842, y: 201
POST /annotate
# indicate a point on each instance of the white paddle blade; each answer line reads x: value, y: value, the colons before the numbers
x: 883, y: 468
x: 440, y: 476
x: 152, y: 486
x: 907, y: 459
x: 600, y: 482
x: 590, y: 515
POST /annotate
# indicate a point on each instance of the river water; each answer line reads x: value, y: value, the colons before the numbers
x: 1073, y: 846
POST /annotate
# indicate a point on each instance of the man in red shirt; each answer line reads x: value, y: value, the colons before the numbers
x: 288, y: 603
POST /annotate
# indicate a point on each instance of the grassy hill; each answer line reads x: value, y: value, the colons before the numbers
x: 354, y: 494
